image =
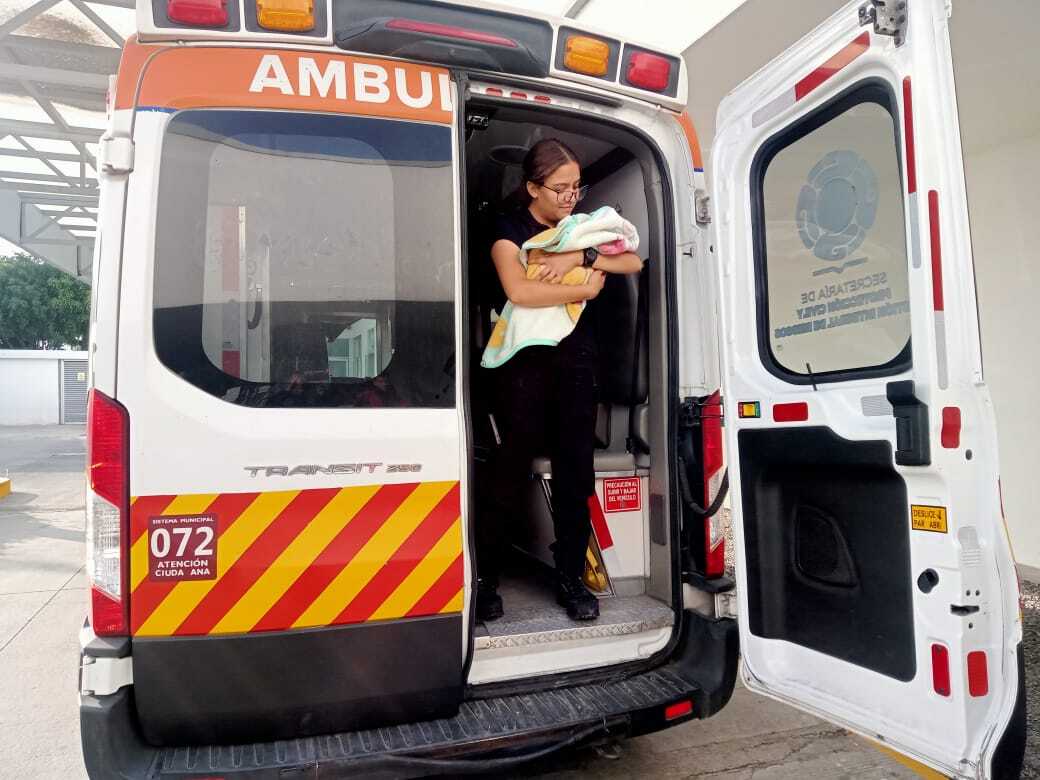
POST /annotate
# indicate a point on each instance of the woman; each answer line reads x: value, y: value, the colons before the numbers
x: 545, y: 397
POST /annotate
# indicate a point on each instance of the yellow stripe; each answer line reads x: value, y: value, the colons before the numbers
x: 455, y: 605
x: 182, y: 505
x: 185, y: 596
x: 294, y: 560
x: 421, y: 578
x: 376, y: 552
x: 917, y: 767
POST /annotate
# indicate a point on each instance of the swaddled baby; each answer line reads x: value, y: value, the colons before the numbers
x: 523, y: 326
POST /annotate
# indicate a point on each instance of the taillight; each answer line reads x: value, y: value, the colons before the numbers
x: 108, y: 434
x: 200, y: 13
x: 713, y: 460
x: 648, y: 71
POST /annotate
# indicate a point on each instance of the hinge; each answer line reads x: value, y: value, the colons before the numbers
x: 116, y: 154
x: 702, y: 207
x: 104, y: 676
x: 726, y: 604
x: 888, y: 17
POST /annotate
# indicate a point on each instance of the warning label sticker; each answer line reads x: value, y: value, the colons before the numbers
x: 928, y: 518
x: 621, y: 494
x: 182, y: 547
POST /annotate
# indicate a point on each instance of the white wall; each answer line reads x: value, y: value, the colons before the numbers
x: 997, y: 67
x: 30, y: 385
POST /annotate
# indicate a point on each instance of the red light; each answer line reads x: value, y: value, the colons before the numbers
x: 677, y: 710
x: 649, y: 71
x: 107, y: 616
x: 543, y: 98
x: 978, y: 675
x: 796, y: 412
x: 203, y: 13
x: 941, y: 670
x: 493, y: 91
x: 448, y: 31
x: 519, y: 95
x: 107, y: 432
x: 951, y: 427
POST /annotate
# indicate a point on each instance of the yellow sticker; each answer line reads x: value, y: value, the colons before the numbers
x: 928, y: 518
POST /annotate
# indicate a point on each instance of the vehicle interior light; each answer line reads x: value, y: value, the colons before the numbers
x: 586, y: 55
x: 201, y: 13
x: 285, y: 15
x: 649, y: 71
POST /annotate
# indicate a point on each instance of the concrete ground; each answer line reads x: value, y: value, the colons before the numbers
x: 43, y: 599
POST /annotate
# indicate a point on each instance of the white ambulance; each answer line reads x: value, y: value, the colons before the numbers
x: 288, y: 423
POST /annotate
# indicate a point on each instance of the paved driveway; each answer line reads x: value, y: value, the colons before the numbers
x: 42, y: 603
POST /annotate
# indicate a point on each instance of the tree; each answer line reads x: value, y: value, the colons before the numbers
x: 41, y: 307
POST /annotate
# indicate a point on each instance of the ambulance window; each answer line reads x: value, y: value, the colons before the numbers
x: 306, y: 259
x: 830, y: 244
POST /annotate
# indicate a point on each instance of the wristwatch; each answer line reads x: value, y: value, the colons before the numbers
x: 590, y: 257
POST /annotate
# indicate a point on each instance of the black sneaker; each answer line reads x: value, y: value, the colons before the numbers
x: 489, y: 603
x: 575, y: 597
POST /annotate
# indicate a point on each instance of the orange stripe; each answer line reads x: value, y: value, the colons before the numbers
x: 150, y: 593
x: 441, y: 592
x: 254, y: 561
x: 337, y: 554
x: 143, y: 508
x: 403, y: 561
x: 691, y: 139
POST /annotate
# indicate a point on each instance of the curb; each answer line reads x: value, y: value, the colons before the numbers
x: 5, y: 487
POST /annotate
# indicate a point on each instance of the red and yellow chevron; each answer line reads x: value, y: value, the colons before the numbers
x: 302, y: 558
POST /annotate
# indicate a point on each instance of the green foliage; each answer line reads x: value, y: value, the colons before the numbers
x: 41, y: 307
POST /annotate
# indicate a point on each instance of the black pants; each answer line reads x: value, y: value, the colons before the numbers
x: 544, y: 403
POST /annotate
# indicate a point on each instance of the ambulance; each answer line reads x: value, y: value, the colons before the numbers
x: 289, y: 429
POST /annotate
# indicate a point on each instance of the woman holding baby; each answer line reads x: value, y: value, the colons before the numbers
x: 545, y: 396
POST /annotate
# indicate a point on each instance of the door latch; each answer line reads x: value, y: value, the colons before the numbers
x: 912, y: 446
x: 702, y: 207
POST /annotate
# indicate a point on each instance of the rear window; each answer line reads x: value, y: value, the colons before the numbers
x: 306, y: 259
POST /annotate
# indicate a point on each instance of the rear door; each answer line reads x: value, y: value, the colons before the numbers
x: 287, y: 356
x: 878, y: 589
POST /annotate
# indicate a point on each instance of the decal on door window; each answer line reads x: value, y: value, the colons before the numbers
x: 836, y: 208
x: 182, y: 547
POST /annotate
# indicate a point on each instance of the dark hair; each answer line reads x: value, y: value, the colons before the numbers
x: 541, y: 161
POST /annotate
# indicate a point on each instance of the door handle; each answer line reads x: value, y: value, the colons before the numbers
x: 912, y: 445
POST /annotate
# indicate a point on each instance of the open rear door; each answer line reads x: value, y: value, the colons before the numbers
x: 878, y: 588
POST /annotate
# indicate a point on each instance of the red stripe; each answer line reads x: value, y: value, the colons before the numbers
x: 150, y: 593
x: 832, y: 66
x: 255, y: 560
x: 441, y: 592
x: 403, y: 561
x: 933, y: 218
x: 337, y: 554
x: 908, y: 127
x: 599, y: 523
x: 141, y: 510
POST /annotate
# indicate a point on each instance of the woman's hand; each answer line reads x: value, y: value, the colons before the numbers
x: 595, y: 284
x: 555, y: 265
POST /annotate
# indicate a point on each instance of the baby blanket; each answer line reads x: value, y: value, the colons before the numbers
x: 525, y: 326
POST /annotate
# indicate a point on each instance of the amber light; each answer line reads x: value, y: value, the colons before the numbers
x: 285, y: 15
x: 586, y: 55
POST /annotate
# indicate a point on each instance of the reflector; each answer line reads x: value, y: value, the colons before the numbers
x: 285, y: 15
x: 586, y: 55
x: 200, y: 13
x: 648, y: 71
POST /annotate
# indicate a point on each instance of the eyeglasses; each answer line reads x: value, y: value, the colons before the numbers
x: 567, y: 195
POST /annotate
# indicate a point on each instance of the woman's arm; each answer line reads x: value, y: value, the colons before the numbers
x: 626, y: 263
x: 530, y: 292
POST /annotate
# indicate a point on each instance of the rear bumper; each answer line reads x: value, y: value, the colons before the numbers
x: 486, y: 735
